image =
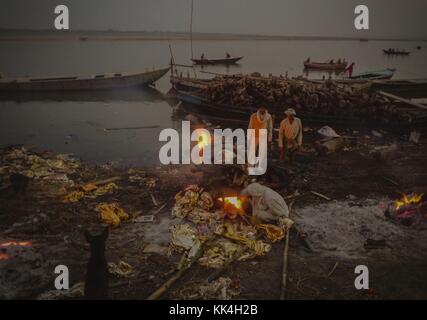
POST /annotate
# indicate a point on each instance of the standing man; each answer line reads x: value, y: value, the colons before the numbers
x: 349, y: 69
x: 261, y: 120
x: 290, y: 134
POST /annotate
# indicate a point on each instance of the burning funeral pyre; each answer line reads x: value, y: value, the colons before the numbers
x: 223, y: 228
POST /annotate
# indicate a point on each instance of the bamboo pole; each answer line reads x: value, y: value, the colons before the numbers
x: 285, y: 259
x: 169, y: 283
x: 191, y: 29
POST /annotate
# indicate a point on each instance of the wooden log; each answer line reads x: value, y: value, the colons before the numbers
x: 321, y: 195
x: 170, y: 282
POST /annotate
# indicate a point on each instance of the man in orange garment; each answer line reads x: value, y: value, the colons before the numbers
x: 261, y: 120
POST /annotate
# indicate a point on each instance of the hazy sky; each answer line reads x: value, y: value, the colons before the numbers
x: 388, y: 18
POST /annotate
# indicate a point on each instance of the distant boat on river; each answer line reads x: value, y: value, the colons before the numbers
x: 227, y: 60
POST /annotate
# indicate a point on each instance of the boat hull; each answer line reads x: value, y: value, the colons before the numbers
x: 375, y: 75
x: 396, y: 53
x: 324, y: 66
x: 217, y: 61
x: 241, y: 114
x: 96, y: 82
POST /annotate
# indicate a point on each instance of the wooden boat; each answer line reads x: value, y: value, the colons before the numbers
x: 325, y: 65
x: 198, y: 104
x: 88, y: 82
x: 374, y: 75
x: 413, y: 88
x: 396, y: 52
x: 231, y: 60
x: 189, y: 84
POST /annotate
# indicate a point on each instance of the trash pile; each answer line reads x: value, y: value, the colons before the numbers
x: 47, y: 173
x: 308, y: 98
x: 214, y: 238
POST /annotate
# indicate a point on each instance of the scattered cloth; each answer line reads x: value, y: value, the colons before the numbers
x: 259, y: 247
x: 223, y: 250
x: 76, y: 291
x: 185, y: 238
x: 189, y: 199
x: 111, y: 213
x: 272, y: 232
x: 328, y: 132
x: 121, y: 269
x: 90, y: 190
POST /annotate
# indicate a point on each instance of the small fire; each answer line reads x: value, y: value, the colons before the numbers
x: 203, y: 140
x: 233, y: 205
x: 408, y: 200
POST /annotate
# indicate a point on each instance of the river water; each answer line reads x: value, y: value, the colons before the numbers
x: 75, y: 122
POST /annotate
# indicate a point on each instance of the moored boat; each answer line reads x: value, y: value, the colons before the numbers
x: 230, y: 60
x: 396, y: 52
x: 374, y: 75
x: 410, y: 88
x: 325, y: 65
x: 82, y: 82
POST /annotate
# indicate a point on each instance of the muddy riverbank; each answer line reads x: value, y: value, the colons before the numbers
x: 46, y: 223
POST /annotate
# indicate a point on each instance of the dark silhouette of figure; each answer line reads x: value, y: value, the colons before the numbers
x: 96, y: 285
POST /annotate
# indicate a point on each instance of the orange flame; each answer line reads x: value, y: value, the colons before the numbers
x: 408, y: 199
x: 233, y: 205
x: 16, y: 244
x: 235, y: 201
x: 203, y: 139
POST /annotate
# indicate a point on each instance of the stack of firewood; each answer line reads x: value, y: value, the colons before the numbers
x: 308, y: 98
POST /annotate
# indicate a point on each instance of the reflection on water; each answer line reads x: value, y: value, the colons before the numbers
x: 75, y: 121
x: 130, y: 95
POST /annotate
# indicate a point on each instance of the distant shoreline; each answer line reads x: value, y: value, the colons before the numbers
x: 27, y: 35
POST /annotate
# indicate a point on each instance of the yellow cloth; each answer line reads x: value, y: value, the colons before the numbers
x: 111, y: 213
x: 258, y: 246
x: 74, y: 196
x: 272, y: 232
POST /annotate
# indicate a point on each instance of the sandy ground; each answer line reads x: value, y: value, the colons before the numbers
x: 337, y: 230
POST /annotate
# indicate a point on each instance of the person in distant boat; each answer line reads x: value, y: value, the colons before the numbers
x: 290, y: 135
x: 331, y: 61
x: 227, y: 55
x: 202, y: 57
x: 349, y: 69
x: 261, y: 120
x: 339, y: 61
x: 308, y: 60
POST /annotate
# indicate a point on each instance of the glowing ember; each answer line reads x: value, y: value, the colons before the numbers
x: 233, y: 205
x: 408, y: 200
x: 3, y: 256
x: 8, y: 244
